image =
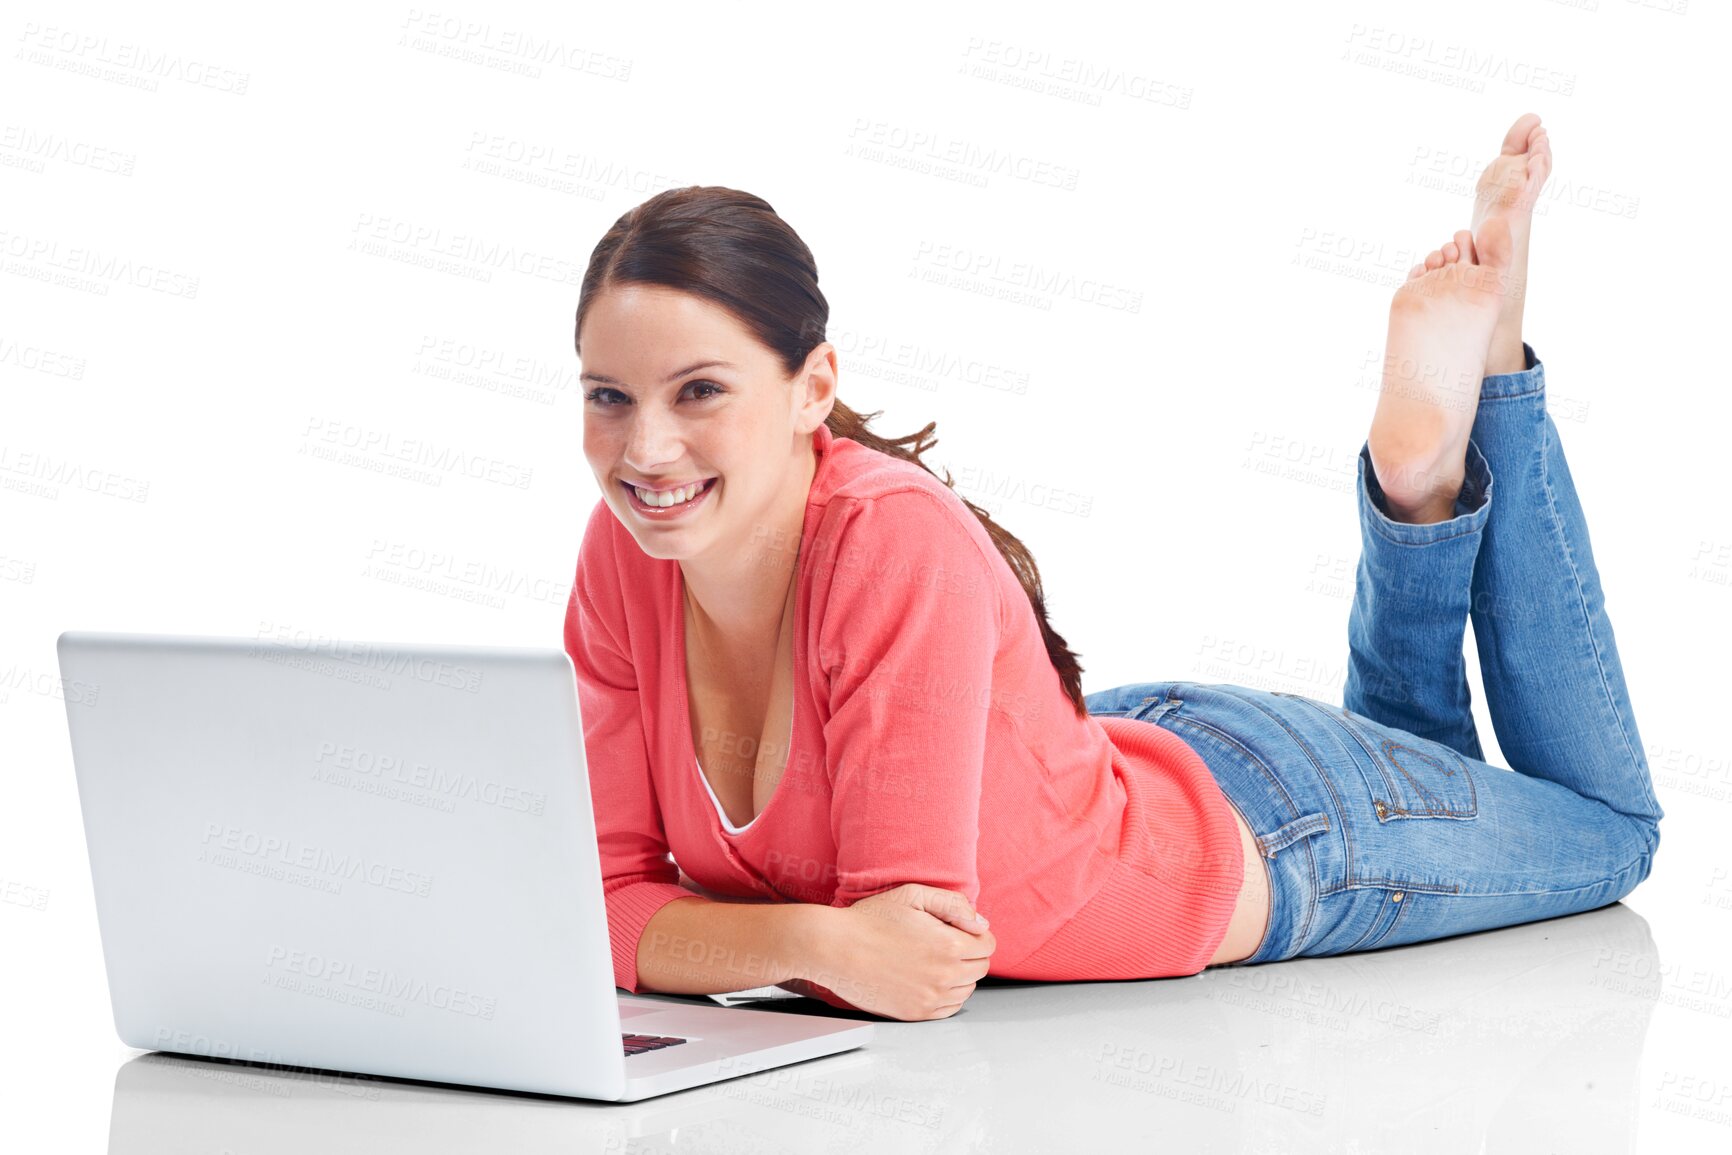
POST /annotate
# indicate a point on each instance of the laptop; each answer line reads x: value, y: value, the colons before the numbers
x: 372, y: 858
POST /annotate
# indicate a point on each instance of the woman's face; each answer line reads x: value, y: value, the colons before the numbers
x: 678, y: 393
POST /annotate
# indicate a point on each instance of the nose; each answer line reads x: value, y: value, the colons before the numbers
x: 653, y: 439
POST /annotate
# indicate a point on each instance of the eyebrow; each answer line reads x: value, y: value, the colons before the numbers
x: 672, y: 377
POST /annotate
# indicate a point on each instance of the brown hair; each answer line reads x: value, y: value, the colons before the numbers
x: 731, y: 248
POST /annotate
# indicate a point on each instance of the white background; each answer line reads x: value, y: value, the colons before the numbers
x: 189, y: 309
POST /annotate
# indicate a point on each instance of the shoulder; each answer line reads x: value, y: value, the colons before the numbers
x: 597, y: 549
x: 605, y: 565
x: 878, y: 478
x: 898, y: 526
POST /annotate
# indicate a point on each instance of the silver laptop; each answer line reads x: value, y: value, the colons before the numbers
x: 372, y: 858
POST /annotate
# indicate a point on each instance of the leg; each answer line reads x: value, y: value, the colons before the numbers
x: 1424, y: 484
x: 1424, y: 495
x: 1413, y: 589
x: 1516, y: 558
x: 1553, y: 681
x: 1437, y: 540
x: 1374, y: 837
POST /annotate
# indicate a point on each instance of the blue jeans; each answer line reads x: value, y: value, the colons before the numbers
x: 1380, y: 822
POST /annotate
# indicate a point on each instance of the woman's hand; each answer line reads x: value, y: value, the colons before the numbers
x: 912, y: 953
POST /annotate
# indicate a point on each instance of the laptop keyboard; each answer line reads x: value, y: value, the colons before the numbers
x: 638, y: 1044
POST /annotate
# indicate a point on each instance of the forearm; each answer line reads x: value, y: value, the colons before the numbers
x: 696, y: 946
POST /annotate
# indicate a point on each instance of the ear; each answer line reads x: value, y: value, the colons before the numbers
x: 815, y: 387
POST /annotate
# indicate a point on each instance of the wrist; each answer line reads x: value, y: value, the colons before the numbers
x: 815, y: 942
x: 819, y: 946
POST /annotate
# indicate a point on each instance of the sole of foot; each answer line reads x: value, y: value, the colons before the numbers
x: 1440, y: 329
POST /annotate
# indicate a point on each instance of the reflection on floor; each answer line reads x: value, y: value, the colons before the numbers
x: 1523, y: 1039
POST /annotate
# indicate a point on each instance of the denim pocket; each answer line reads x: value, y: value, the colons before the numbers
x: 1419, y: 778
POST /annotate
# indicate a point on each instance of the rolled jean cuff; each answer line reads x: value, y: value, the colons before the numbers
x: 1530, y: 380
x: 1472, y: 505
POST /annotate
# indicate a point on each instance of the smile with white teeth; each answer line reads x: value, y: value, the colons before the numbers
x: 670, y: 497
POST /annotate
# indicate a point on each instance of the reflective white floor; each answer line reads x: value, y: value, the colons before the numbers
x: 1543, y: 1037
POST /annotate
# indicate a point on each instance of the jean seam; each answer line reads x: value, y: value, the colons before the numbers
x: 1359, y: 943
x: 1402, y: 884
x: 1613, y: 877
x: 1351, y: 854
x: 1633, y: 758
x: 1304, y: 925
x: 1512, y: 396
x: 1469, y: 532
x: 1390, y: 929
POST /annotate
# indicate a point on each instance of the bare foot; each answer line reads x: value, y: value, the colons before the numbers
x: 1440, y: 329
x: 1510, y: 187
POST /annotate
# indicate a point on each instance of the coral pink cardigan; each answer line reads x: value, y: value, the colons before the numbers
x: 932, y: 743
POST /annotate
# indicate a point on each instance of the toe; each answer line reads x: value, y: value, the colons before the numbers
x: 1464, y: 242
x: 1516, y: 139
x: 1416, y: 271
x: 1451, y: 253
x: 1434, y: 260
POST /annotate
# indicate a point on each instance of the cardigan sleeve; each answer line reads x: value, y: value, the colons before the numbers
x: 638, y: 876
x: 910, y: 632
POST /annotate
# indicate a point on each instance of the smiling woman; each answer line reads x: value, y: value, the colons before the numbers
x: 826, y: 682
x: 716, y: 268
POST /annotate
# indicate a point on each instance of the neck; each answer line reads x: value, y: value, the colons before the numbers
x: 743, y: 593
